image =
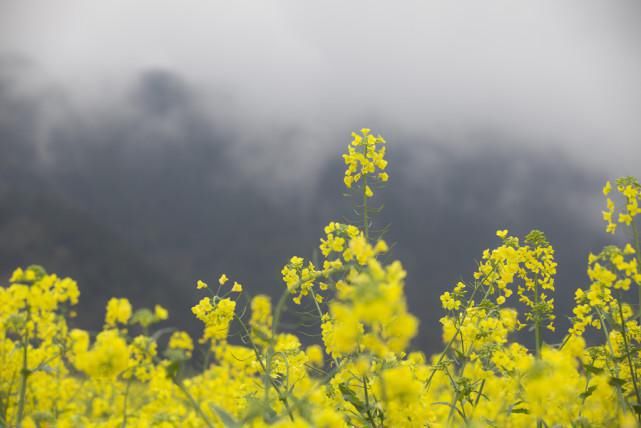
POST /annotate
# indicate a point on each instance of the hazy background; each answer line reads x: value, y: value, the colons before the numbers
x: 147, y: 144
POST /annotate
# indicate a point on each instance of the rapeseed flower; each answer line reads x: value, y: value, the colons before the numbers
x: 363, y: 370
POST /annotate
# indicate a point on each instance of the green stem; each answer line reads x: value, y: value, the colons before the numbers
x: 24, y: 374
x: 370, y: 418
x: 193, y: 402
x: 537, y: 323
x: 455, y: 398
x: 456, y: 333
x: 537, y: 338
x: 606, y: 333
x: 318, y: 309
x: 365, y: 214
x: 479, y: 394
x: 453, y: 408
x: 320, y: 315
x: 277, y: 314
x: 627, y: 353
x: 585, y: 390
x: 278, y: 311
x: 266, y: 366
x: 124, y: 409
x: 637, y: 247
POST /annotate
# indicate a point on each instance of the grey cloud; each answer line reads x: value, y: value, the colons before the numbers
x: 557, y: 77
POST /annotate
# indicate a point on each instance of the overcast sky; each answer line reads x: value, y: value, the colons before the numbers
x: 556, y: 76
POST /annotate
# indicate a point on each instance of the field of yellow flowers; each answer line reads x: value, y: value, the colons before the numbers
x: 133, y: 373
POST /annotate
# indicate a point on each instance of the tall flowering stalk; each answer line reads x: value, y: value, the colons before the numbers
x: 366, y: 164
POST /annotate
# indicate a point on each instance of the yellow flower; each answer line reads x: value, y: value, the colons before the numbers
x: 365, y: 159
x: 17, y: 275
x: 201, y: 284
x: 160, y: 312
x: 118, y: 311
x: 625, y: 218
x: 181, y: 340
x: 482, y: 376
x: 399, y: 383
x: 261, y: 319
x: 108, y: 357
x: 449, y: 303
x: 315, y: 355
x: 216, y: 317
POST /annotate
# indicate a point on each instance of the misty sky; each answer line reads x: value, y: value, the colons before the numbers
x: 559, y: 77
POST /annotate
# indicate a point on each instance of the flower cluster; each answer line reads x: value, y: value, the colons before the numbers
x: 527, y: 268
x: 363, y: 372
x: 630, y: 190
x: 365, y: 160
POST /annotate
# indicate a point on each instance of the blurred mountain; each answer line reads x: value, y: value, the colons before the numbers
x: 144, y: 199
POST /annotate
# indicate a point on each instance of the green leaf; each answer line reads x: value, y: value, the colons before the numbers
x: 227, y: 419
x: 349, y: 396
x: 258, y: 408
x: 615, y: 381
x: 591, y: 369
x: 460, y: 356
x: 261, y: 334
x: 587, y: 392
x: 172, y: 369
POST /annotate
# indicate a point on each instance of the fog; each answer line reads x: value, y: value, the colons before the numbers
x: 555, y: 76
